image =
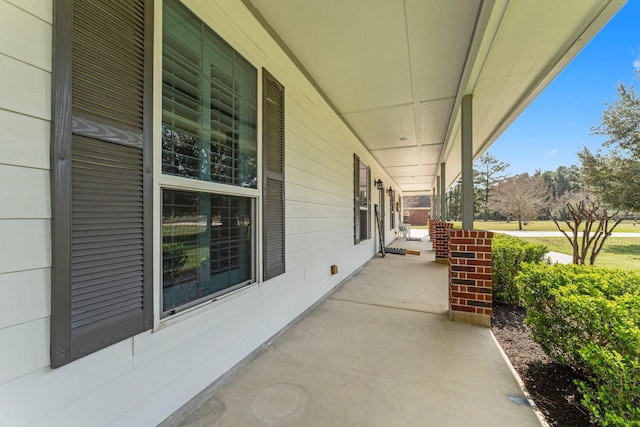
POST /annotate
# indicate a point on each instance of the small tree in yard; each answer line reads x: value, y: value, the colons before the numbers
x: 520, y: 197
x: 612, y: 178
x: 598, y: 224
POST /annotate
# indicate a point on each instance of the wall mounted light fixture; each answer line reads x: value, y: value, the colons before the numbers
x: 379, y: 184
x: 390, y: 191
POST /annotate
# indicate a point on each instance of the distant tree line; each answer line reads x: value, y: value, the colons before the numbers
x: 594, y: 196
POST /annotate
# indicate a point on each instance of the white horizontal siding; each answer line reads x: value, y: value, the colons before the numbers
x: 299, y: 176
x: 42, y: 9
x: 25, y: 89
x: 26, y: 244
x: 304, y: 193
x: 25, y: 253
x: 24, y: 36
x: 102, y: 405
x: 24, y: 193
x: 24, y: 140
x: 25, y: 348
x: 34, y: 396
x: 320, y: 171
x: 28, y: 294
x: 303, y: 225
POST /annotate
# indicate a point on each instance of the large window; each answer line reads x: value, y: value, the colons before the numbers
x: 209, y: 133
x: 209, y: 95
x: 392, y: 209
x: 207, y: 244
x: 103, y: 171
x: 362, y: 201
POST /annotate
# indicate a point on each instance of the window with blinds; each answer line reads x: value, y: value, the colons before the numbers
x: 362, y: 200
x: 207, y: 246
x: 209, y: 95
x: 209, y: 135
x: 392, y: 209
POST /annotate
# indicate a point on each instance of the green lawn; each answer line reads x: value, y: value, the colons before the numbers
x: 618, y: 252
x: 626, y: 226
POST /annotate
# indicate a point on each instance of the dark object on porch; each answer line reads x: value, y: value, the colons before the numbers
x: 413, y: 239
x: 400, y: 251
x: 397, y: 251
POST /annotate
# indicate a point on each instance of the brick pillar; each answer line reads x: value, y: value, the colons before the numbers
x: 441, y: 240
x: 431, y: 224
x: 470, y: 272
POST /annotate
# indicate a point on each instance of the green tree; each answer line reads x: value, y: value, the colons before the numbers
x: 564, y: 180
x: 454, y: 198
x: 488, y: 172
x: 613, y: 176
x: 620, y: 121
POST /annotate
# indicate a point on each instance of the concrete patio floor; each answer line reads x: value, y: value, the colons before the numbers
x: 381, y: 351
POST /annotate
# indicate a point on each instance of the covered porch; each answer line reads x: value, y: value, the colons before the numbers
x: 380, y: 350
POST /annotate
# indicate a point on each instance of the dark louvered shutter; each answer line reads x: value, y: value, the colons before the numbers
x: 356, y: 199
x: 101, y: 175
x: 273, y: 184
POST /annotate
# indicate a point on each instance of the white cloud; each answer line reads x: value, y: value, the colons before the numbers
x: 551, y: 152
x: 636, y: 63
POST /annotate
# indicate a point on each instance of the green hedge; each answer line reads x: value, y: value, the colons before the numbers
x: 589, y: 318
x: 508, y: 254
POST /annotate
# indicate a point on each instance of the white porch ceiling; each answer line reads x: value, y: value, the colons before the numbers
x: 396, y: 70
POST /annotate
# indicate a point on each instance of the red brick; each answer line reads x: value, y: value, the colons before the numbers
x: 479, y: 248
x: 457, y: 307
x: 465, y: 295
x: 460, y: 241
x: 478, y: 262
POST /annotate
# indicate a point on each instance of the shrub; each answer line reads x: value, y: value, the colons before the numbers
x: 589, y: 318
x: 508, y: 254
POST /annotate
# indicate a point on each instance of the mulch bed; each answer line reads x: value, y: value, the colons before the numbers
x: 550, y: 384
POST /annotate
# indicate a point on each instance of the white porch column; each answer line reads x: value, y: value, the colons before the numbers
x: 467, y: 162
x: 443, y: 192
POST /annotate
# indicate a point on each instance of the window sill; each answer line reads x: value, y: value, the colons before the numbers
x: 205, y: 306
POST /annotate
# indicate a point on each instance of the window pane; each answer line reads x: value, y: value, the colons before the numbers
x: 206, y: 246
x: 209, y: 104
x: 364, y: 178
x: 364, y: 197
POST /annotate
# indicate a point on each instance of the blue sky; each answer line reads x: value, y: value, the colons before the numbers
x: 557, y: 123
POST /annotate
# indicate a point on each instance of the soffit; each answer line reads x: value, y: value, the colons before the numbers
x: 395, y: 70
